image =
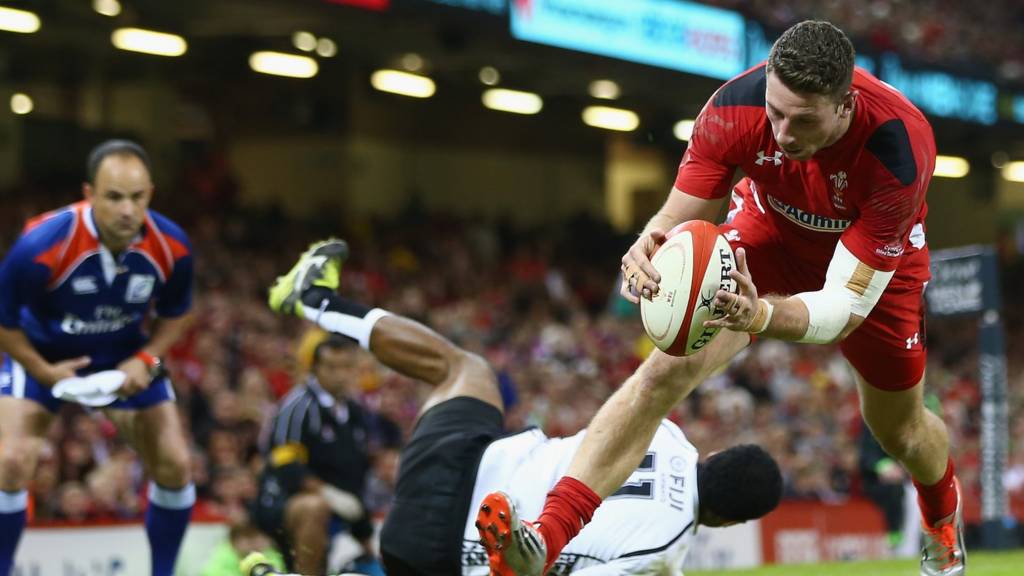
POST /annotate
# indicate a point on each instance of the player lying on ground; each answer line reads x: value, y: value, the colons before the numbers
x: 830, y: 218
x: 459, y: 452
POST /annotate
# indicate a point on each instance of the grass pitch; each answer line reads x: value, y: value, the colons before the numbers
x: 978, y: 564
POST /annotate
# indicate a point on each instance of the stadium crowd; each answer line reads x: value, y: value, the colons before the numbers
x: 936, y: 32
x: 546, y: 315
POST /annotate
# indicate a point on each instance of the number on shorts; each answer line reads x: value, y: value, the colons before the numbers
x: 642, y: 488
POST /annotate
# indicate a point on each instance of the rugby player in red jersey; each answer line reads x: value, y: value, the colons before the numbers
x: 828, y: 222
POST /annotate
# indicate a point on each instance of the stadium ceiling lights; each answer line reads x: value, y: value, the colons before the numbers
x: 14, y: 20
x: 605, y: 89
x: 403, y: 83
x: 412, y: 62
x: 326, y: 48
x: 107, y: 7
x: 304, y: 41
x: 281, y: 64
x: 611, y: 118
x: 512, y: 101
x: 149, y: 42
x: 489, y: 75
x: 951, y: 167
x: 21, y: 103
x: 683, y: 129
x: 1013, y: 171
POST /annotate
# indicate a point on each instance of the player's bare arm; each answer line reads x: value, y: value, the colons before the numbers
x: 15, y: 343
x: 639, y: 278
x: 851, y: 290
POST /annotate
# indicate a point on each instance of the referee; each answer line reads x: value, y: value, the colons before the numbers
x: 316, y: 462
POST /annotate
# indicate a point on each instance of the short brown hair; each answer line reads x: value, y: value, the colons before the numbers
x: 333, y: 342
x: 813, y: 57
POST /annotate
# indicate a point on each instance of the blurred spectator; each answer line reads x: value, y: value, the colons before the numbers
x: 883, y: 480
x: 75, y: 503
x: 380, y: 485
x: 938, y: 32
x: 317, y: 461
x: 243, y: 539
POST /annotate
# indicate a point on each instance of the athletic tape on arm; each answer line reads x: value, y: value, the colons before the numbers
x: 851, y: 287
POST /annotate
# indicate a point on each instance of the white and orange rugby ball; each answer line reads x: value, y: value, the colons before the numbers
x: 694, y: 263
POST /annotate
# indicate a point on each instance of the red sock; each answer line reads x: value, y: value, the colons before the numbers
x: 569, y: 507
x: 938, y: 500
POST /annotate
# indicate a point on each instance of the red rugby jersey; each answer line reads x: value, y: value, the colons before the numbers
x: 868, y: 188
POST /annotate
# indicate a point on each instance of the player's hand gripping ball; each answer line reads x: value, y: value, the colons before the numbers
x: 694, y: 263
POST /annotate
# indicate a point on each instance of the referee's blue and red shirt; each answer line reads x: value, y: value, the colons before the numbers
x: 72, y: 297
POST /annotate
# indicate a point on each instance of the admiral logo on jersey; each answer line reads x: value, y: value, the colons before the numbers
x: 806, y: 219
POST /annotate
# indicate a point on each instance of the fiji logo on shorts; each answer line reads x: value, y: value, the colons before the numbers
x: 140, y: 288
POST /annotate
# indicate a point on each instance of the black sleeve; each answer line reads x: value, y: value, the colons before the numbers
x: 362, y: 529
x: 288, y: 450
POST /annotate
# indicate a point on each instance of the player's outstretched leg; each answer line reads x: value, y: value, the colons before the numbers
x: 319, y: 265
x: 399, y: 343
x: 514, y: 547
x: 943, y: 552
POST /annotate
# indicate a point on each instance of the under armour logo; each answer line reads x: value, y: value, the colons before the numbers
x: 914, y: 340
x: 733, y: 235
x: 775, y: 158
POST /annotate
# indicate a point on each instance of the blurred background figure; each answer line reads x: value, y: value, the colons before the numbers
x: 243, y: 539
x: 318, y: 459
x: 883, y: 483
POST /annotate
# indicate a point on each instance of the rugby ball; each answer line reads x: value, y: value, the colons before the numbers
x: 694, y: 263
